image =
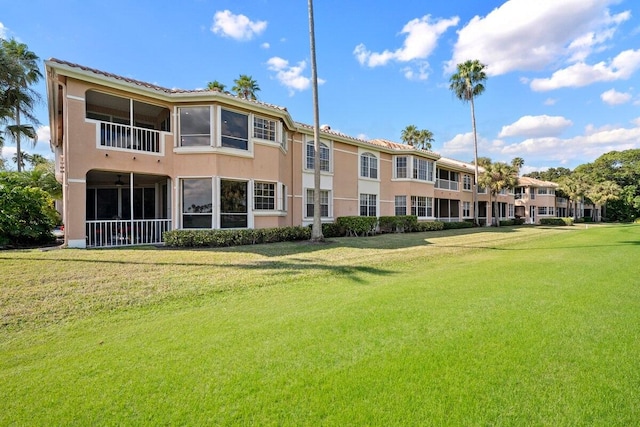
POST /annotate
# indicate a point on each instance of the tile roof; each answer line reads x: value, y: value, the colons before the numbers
x: 525, y: 181
x: 155, y: 87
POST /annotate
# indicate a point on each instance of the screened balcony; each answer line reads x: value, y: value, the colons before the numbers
x: 111, y: 198
x: 127, y: 124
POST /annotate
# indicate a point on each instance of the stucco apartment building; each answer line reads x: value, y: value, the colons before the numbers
x: 136, y: 159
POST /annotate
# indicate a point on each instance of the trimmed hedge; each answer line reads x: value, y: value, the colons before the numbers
x: 223, y: 238
x: 397, y: 224
x: 430, y: 226
x: 556, y: 221
x: 358, y: 225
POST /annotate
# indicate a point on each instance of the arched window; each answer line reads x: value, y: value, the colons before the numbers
x: 368, y: 166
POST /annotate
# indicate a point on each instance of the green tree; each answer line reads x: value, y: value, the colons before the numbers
x: 246, y: 87
x: 467, y: 84
x: 18, y: 96
x: 216, y: 85
x: 419, y: 138
x: 517, y: 164
x: 603, y: 192
x: 575, y: 186
x: 496, y: 177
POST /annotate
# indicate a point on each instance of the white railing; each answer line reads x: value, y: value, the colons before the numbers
x: 129, y: 137
x: 449, y: 219
x: 119, y: 232
x: 445, y: 184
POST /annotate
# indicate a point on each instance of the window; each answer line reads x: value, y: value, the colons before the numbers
x: 542, y: 210
x: 419, y: 206
x: 518, y: 193
x: 264, y: 196
x: 324, y: 156
x: 532, y: 192
x: 511, y: 210
x: 265, y: 129
x: 233, y: 204
x: 466, y: 209
x: 324, y: 203
x: 195, y: 127
x: 550, y: 210
x: 368, y: 166
x: 197, y: 206
x: 482, y: 190
x: 422, y: 169
x: 368, y: 203
x: 282, y: 203
x: 401, y: 167
x: 401, y: 205
x: 234, y: 130
x: 466, y: 182
x: 542, y: 191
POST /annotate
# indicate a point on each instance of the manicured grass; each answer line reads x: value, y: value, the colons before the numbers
x: 515, y: 326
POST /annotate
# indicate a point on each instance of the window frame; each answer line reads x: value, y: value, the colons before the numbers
x: 324, y: 151
x: 184, y: 213
x: 324, y: 207
x: 258, y: 194
x: 368, y: 165
x: 368, y: 204
x: 402, y: 205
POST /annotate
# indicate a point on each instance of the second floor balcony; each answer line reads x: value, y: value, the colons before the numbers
x: 127, y: 124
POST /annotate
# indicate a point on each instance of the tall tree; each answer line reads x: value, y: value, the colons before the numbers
x: 246, y: 87
x: 18, y: 96
x: 409, y: 135
x: 517, y: 164
x: 496, y: 177
x: 316, y: 230
x: 419, y: 138
x: 216, y: 85
x: 604, y: 192
x: 575, y: 187
x: 466, y: 84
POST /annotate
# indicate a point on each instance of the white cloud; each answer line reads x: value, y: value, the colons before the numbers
x: 613, y: 97
x: 238, y: 27
x: 3, y: 31
x: 580, y: 74
x: 550, y: 101
x: 44, y: 135
x: 536, y: 126
x: 421, y: 39
x: 265, y: 45
x: 462, y: 145
x: 290, y: 76
x: 592, y: 144
x: 532, y: 35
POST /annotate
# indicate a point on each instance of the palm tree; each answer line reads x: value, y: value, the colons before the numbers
x: 246, y: 87
x: 603, y: 192
x: 496, y: 177
x: 17, y: 94
x: 466, y: 84
x: 316, y: 230
x: 216, y: 85
x: 517, y: 164
x: 574, y: 186
x: 410, y: 135
x: 421, y: 139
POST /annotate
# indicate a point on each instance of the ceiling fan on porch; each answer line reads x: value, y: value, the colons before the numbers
x: 119, y: 182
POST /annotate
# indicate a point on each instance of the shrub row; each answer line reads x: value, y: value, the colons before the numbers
x: 397, y: 224
x: 358, y: 225
x: 222, y: 238
x: 27, y: 215
x: 556, y: 221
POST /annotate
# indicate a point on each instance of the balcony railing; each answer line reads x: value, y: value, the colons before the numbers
x: 117, y: 232
x: 445, y: 184
x: 129, y: 137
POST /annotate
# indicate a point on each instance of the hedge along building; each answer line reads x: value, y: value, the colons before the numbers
x: 136, y: 159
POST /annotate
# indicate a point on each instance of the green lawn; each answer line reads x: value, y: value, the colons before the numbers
x: 510, y: 326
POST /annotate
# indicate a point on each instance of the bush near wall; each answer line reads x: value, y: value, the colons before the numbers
x: 358, y: 225
x: 222, y: 238
x: 430, y: 226
x: 397, y: 224
x: 556, y: 221
x: 27, y: 216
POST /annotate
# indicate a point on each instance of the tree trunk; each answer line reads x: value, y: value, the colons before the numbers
x: 316, y: 231
x: 475, y: 161
x: 18, y: 135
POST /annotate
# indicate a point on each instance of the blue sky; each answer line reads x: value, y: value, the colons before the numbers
x: 563, y: 84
